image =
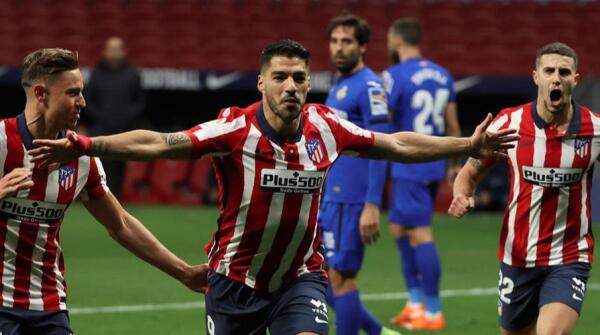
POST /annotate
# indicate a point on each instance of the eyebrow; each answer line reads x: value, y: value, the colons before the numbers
x: 295, y: 73
x: 74, y: 89
x: 550, y: 67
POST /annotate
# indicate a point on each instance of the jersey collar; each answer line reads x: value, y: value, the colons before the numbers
x: 26, y: 136
x: 341, y: 77
x: 271, y: 133
x: 573, y: 126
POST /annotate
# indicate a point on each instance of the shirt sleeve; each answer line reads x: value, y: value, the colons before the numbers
x: 392, y: 89
x: 217, y: 137
x: 373, y: 105
x: 374, y: 109
x: 376, y: 181
x: 452, y: 96
x: 350, y: 139
x: 95, y: 187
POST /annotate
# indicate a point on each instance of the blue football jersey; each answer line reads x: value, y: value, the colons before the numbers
x: 361, y: 99
x: 418, y: 94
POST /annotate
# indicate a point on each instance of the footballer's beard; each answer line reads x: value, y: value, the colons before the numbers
x: 284, y: 113
x: 348, y: 67
x: 395, y: 57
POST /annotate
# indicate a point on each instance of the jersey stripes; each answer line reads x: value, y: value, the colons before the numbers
x: 32, y: 266
x: 267, y: 233
x: 547, y: 219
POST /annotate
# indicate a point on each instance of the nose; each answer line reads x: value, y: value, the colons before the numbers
x: 335, y: 46
x: 555, y: 78
x: 290, y: 85
x: 81, y: 101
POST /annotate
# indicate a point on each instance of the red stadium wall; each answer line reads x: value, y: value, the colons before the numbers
x: 469, y: 37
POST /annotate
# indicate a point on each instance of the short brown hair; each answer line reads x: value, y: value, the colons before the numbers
x: 558, y: 48
x: 362, y: 32
x: 46, y: 64
x: 409, y: 29
x: 286, y: 48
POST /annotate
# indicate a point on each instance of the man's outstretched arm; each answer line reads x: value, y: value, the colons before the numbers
x: 131, y: 145
x: 408, y: 147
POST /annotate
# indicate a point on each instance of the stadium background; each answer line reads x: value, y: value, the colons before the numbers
x: 197, y: 56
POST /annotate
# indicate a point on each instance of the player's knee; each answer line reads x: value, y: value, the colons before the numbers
x: 342, y: 282
x: 397, y: 231
x: 420, y: 235
x: 556, y: 319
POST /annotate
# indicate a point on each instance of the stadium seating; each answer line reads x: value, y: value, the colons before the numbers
x: 166, y: 181
x: 136, y: 184
x: 212, y: 35
x: 481, y: 37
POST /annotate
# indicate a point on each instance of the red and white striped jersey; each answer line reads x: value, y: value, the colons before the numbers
x: 269, y: 190
x: 548, y: 217
x: 32, y: 266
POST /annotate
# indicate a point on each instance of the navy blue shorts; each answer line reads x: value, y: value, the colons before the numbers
x: 412, y: 202
x: 523, y: 291
x: 23, y: 322
x: 233, y: 308
x: 344, y: 250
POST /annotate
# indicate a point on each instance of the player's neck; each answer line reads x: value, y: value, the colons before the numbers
x: 559, y: 120
x: 407, y: 53
x: 37, y: 125
x: 359, y: 66
x: 285, y: 128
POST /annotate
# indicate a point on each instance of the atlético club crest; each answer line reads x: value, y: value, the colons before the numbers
x: 314, y: 150
x: 66, y: 177
x: 583, y: 146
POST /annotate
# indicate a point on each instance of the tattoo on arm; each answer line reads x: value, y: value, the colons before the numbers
x: 99, y: 147
x: 172, y: 139
x: 477, y: 164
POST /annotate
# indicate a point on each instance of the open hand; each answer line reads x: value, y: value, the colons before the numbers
x: 487, y: 144
x: 18, y: 179
x: 56, y: 151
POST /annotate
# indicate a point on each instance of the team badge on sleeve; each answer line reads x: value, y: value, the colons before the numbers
x: 314, y: 150
x: 66, y: 176
x: 378, y: 101
x: 388, y: 81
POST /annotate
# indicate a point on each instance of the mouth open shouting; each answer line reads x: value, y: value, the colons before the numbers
x: 556, y: 97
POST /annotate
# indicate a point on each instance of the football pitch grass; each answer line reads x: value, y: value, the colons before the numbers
x: 113, y: 292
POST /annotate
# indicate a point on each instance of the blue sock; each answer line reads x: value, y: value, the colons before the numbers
x: 428, y: 263
x: 348, y: 313
x: 410, y: 271
x: 368, y: 323
x: 329, y: 297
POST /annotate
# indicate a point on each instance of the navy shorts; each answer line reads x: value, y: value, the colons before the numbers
x: 233, y: 308
x: 412, y: 202
x: 23, y: 322
x: 523, y: 291
x: 344, y: 250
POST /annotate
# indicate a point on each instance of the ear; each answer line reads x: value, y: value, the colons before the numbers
x: 39, y: 92
x: 363, y: 49
x: 309, y: 83
x: 576, y: 78
x: 261, y: 84
x: 534, y: 75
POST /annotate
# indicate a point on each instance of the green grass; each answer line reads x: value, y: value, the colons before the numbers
x: 101, y: 273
